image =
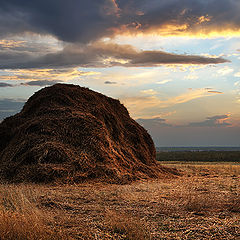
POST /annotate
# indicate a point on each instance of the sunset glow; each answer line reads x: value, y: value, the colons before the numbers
x: 174, y: 64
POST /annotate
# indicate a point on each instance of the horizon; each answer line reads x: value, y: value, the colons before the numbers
x: 198, y: 146
x: 174, y: 64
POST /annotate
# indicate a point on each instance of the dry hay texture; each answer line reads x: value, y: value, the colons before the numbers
x: 67, y: 133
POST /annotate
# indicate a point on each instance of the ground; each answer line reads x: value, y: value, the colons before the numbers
x: 202, y: 203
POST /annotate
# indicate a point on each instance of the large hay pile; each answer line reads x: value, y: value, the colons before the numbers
x: 68, y: 133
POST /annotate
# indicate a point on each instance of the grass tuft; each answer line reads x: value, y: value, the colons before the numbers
x: 20, y: 218
x: 127, y: 226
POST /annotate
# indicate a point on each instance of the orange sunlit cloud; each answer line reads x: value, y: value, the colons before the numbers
x: 149, y: 99
x: 63, y: 75
x: 170, y: 30
x: 8, y: 44
x: 215, y: 92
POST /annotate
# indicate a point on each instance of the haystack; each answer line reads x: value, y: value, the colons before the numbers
x: 68, y: 133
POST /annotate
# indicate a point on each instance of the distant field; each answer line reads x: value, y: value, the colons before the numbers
x: 203, y: 156
x: 200, y: 149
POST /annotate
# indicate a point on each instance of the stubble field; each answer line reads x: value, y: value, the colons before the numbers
x: 202, y: 203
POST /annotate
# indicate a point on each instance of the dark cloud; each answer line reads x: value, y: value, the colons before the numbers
x: 110, y: 82
x: 10, y: 58
x: 214, y: 131
x: 215, y: 121
x: 13, y: 21
x: 68, y: 20
x: 41, y: 83
x: 82, y: 23
x: 211, y: 91
x: 94, y: 54
x: 153, y: 122
x: 85, y: 21
x: 3, y: 84
x: 194, y: 15
x: 195, y: 136
x: 9, y: 107
x: 150, y: 58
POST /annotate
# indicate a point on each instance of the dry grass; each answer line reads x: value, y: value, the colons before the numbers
x: 204, y: 203
x: 20, y: 217
x: 127, y: 226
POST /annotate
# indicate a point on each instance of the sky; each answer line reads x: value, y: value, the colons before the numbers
x: 173, y: 63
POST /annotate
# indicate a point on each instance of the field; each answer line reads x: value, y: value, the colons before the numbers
x: 202, y: 203
x: 202, y: 156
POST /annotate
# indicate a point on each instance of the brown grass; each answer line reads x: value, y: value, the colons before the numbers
x: 20, y: 218
x: 127, y: 226
x: 204, y: 203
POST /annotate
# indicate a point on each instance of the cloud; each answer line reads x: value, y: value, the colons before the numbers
x: 215, y: 121
x: 151, y: 58
x: 195, y: 136
x: 213, y: 131
x: 164, y: 81
x: 237, y: 83
x: 237, y: 74
x: 110, y: 82
x: 196, y: 17
x: 100, y: 54
x: 191, y: 77
x: 70, y: 21
x: 14, y: 58
x: 225, y: 71
x: 10, y: 44
x: 86, y: 21
x: 210, y: 91
x: 153, y: 122
x: 190, y: 95
x: 149, y: 92
x: 44, y: 75
x: 138, y: 105
x: 3, y: 84
x: 10, y: 107
x: 75, y: 31
x: 40, y: 83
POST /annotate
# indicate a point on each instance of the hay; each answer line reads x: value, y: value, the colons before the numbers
x: 66, y: 133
